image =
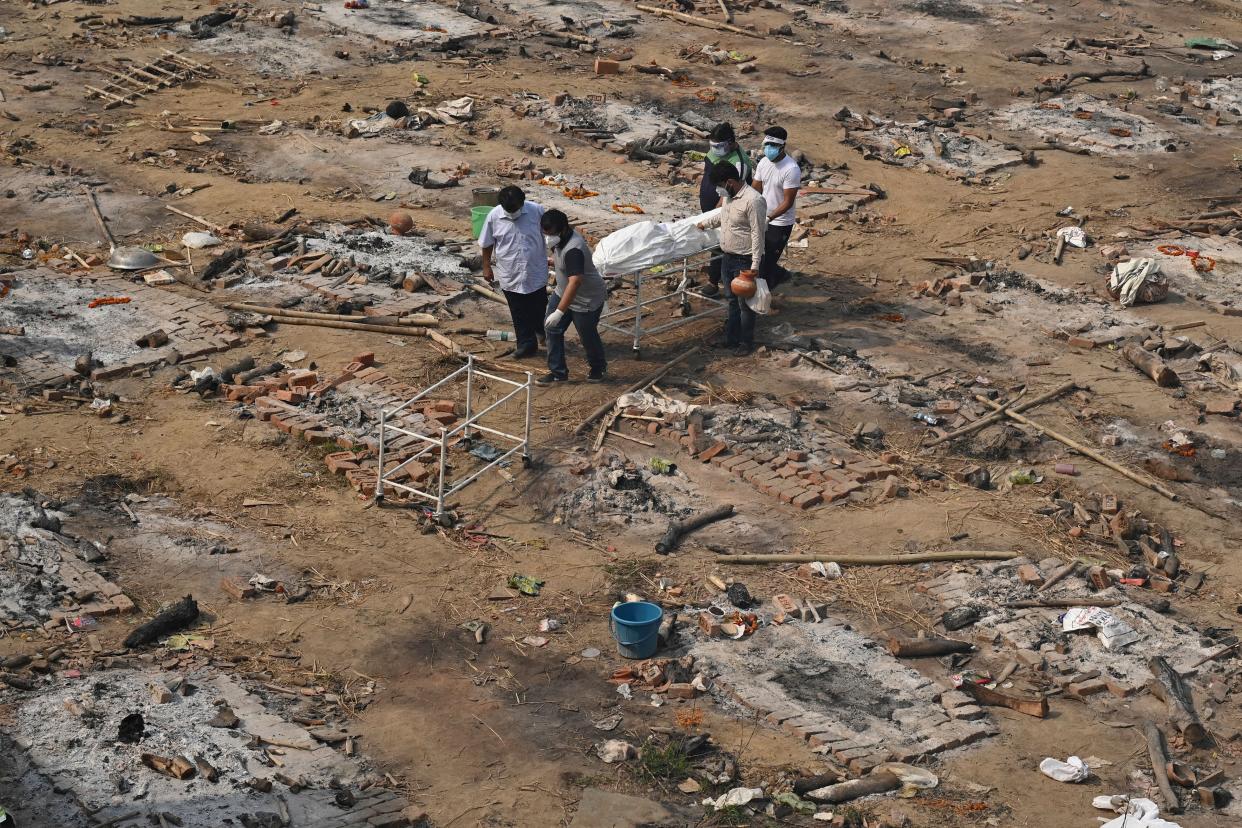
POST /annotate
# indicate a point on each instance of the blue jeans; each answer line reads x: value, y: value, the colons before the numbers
x: 740, y: 324
x: 587, y: 323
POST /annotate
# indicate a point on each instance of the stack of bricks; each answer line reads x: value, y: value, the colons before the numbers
x: 929, y: 730
x: 95, y: 595
x: 1024, y: 632
x: 794, y: 478
x: 374, y: 808
x: 375, y: 300
x: 280, y: 401
x: 192, y: 327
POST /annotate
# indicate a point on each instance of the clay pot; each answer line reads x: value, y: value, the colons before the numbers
x: 400, y: 223
x: 743, y: 285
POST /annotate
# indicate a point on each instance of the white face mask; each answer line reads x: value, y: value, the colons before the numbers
x: 551, y: 241
x: 514, y: 214
x: 722, y: 192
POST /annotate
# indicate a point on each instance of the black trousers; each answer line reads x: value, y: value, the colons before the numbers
x: 527, y: 311
x: 774, y: 242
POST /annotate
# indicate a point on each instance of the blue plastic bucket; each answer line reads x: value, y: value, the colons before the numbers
x: 636, y: 626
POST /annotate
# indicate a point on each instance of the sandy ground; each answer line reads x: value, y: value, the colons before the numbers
x: 501, y: 734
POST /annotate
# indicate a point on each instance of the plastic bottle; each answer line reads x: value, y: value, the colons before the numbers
x: 500, y: 336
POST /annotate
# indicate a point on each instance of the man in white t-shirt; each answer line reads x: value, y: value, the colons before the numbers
x: 778, y: 177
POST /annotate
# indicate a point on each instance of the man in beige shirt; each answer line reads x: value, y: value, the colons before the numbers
x: 743, y: 221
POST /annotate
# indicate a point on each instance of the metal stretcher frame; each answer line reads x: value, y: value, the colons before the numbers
x: 441, y: 443
x: 681, y: 295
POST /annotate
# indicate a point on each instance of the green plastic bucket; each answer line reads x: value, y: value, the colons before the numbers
x: 478, y: 215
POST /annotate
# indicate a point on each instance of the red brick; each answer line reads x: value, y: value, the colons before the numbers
x: 444, y: 418
x: 281, y: 421
x: 729, y: 463
x: 365, y: 359
x: 1029, y: 574
x: 444, y: 405
x: 303, y: 379
x: 123, y: 604
x: 795, y: 456
x: 741, y: 468
x: 712, y: 451
x: 808, y: 499
x: 363, y: 480
x: 289, y: 396
x: 788, y: 495
x: 317, y: 436
x: 341, y: 461
x: 1220, y: 405
x: 237, y: 588
x: 607, y: 67
x: 1080, y: 342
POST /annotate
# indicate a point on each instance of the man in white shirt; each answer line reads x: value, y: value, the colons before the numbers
x: 778, y: 177
x: 514, y: 255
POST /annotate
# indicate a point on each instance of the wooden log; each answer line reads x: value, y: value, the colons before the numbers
x: 879, y: 560
x: 656, y: 376
x: 1151, y: 365
x: 1169, y: 686
x: 1158, y: 753
x: 997, y: 416
x: 724, y: 9
x: 872, y: 783
x: 698, y: 21
x: 811, y: 783
x: 1037, y: 707
x: 680, y: 528
x: 928, y: 647
x: 1058, y: 576
x: 1084, y: 450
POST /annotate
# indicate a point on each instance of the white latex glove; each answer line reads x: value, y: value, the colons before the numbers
x: 554, y: 318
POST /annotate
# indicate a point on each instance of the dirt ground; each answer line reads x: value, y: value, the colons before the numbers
x: 501, y: 733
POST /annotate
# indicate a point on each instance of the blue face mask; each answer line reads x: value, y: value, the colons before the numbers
x: 771, y: 151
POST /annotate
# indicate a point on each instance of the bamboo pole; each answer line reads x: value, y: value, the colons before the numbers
x: 643, y: 383
x: 1083, y: 450
x: 217, y: 228
x: 490, y: 294
x: 995, y: 417
x: 421, y: 320
x: 699, y: 21
x: 877, y: 560
x: 400, y: 330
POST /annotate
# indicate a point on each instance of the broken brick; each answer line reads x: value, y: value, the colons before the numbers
x: 1080, y: 342
x: 238, y: 589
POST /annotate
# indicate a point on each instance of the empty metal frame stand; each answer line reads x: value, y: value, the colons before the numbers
x: 613, y: 320
x: 447, y: 438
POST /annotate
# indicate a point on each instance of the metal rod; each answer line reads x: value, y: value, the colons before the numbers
x: 526, y: 434
x: 479, y: 416
x: 461, y: 484
x: 443, y: 466
x: 469, y: 390
x: 638, y: 314
x: 428, y: 390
